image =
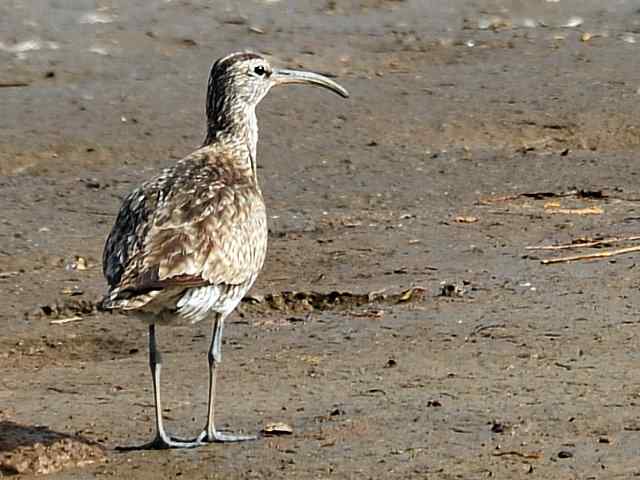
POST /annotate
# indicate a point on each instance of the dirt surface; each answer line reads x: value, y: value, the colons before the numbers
x: 475, y: 129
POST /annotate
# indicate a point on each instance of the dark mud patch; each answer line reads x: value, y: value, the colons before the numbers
x: 38, y: 450
x: 63, y: 309
x: 339, y: 301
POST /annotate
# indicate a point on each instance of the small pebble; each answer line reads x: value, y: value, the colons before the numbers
x: 586, y: 36
x: 277, y: 428
x: 628, y: 38
x: 497, y: 427
x: 573, y: 22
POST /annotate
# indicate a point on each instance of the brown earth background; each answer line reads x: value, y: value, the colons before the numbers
x: 400, y: 327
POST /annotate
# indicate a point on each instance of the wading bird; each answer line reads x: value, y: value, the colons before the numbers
x: 188, y: 244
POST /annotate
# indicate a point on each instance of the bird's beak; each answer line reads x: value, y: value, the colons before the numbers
x: 282, y: 76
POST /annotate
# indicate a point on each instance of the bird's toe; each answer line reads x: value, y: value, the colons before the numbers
x: 217, y: 436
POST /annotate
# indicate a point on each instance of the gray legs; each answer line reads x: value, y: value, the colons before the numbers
x: 162, y: 440
x: 210, y: 434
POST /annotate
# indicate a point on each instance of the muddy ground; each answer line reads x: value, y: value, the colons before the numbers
x: 474, y: 129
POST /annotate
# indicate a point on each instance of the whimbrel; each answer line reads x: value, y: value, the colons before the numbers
x: 188, y: 244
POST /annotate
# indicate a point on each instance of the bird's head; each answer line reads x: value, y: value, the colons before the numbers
x: 243, y: 79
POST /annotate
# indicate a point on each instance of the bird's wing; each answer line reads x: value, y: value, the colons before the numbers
x: 197, y: 224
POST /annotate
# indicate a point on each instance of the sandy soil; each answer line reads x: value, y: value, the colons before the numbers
x: 475, y: 129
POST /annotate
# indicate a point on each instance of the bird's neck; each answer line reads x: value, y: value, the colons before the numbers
x: 237, y: 128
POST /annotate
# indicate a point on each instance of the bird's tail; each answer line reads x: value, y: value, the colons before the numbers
x: 122, y: 300
x: 107, y: 304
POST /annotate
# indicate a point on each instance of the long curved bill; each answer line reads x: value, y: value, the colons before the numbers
x: 282, y: 76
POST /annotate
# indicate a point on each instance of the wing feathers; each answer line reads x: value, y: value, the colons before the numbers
x: 200, y: 223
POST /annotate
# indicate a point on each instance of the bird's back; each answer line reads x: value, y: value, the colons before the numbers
x: 196, y: 231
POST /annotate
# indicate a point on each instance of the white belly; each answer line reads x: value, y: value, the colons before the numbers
x: 199, y: 303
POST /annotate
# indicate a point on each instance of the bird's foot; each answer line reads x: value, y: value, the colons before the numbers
x: 163, y: 443
x: 215, y: 436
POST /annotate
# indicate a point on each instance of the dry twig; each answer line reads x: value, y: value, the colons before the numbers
x: 574, y: 211
x: 532, y: 455
x: 13, y: 83
x: 608, y: 253
x: 62, y: 321
x: 584, y: 244
x: 593, y: 194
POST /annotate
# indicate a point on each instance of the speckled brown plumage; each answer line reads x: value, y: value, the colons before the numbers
x: 189, y: 243
x: 202, y: 222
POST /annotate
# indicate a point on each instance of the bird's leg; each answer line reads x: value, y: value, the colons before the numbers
x: 210, y: 434
x: 162, y: 440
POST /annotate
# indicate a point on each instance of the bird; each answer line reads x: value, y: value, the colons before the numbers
x: 188, y: 244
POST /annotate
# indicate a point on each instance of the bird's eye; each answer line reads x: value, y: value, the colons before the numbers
x: 260, y: 70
